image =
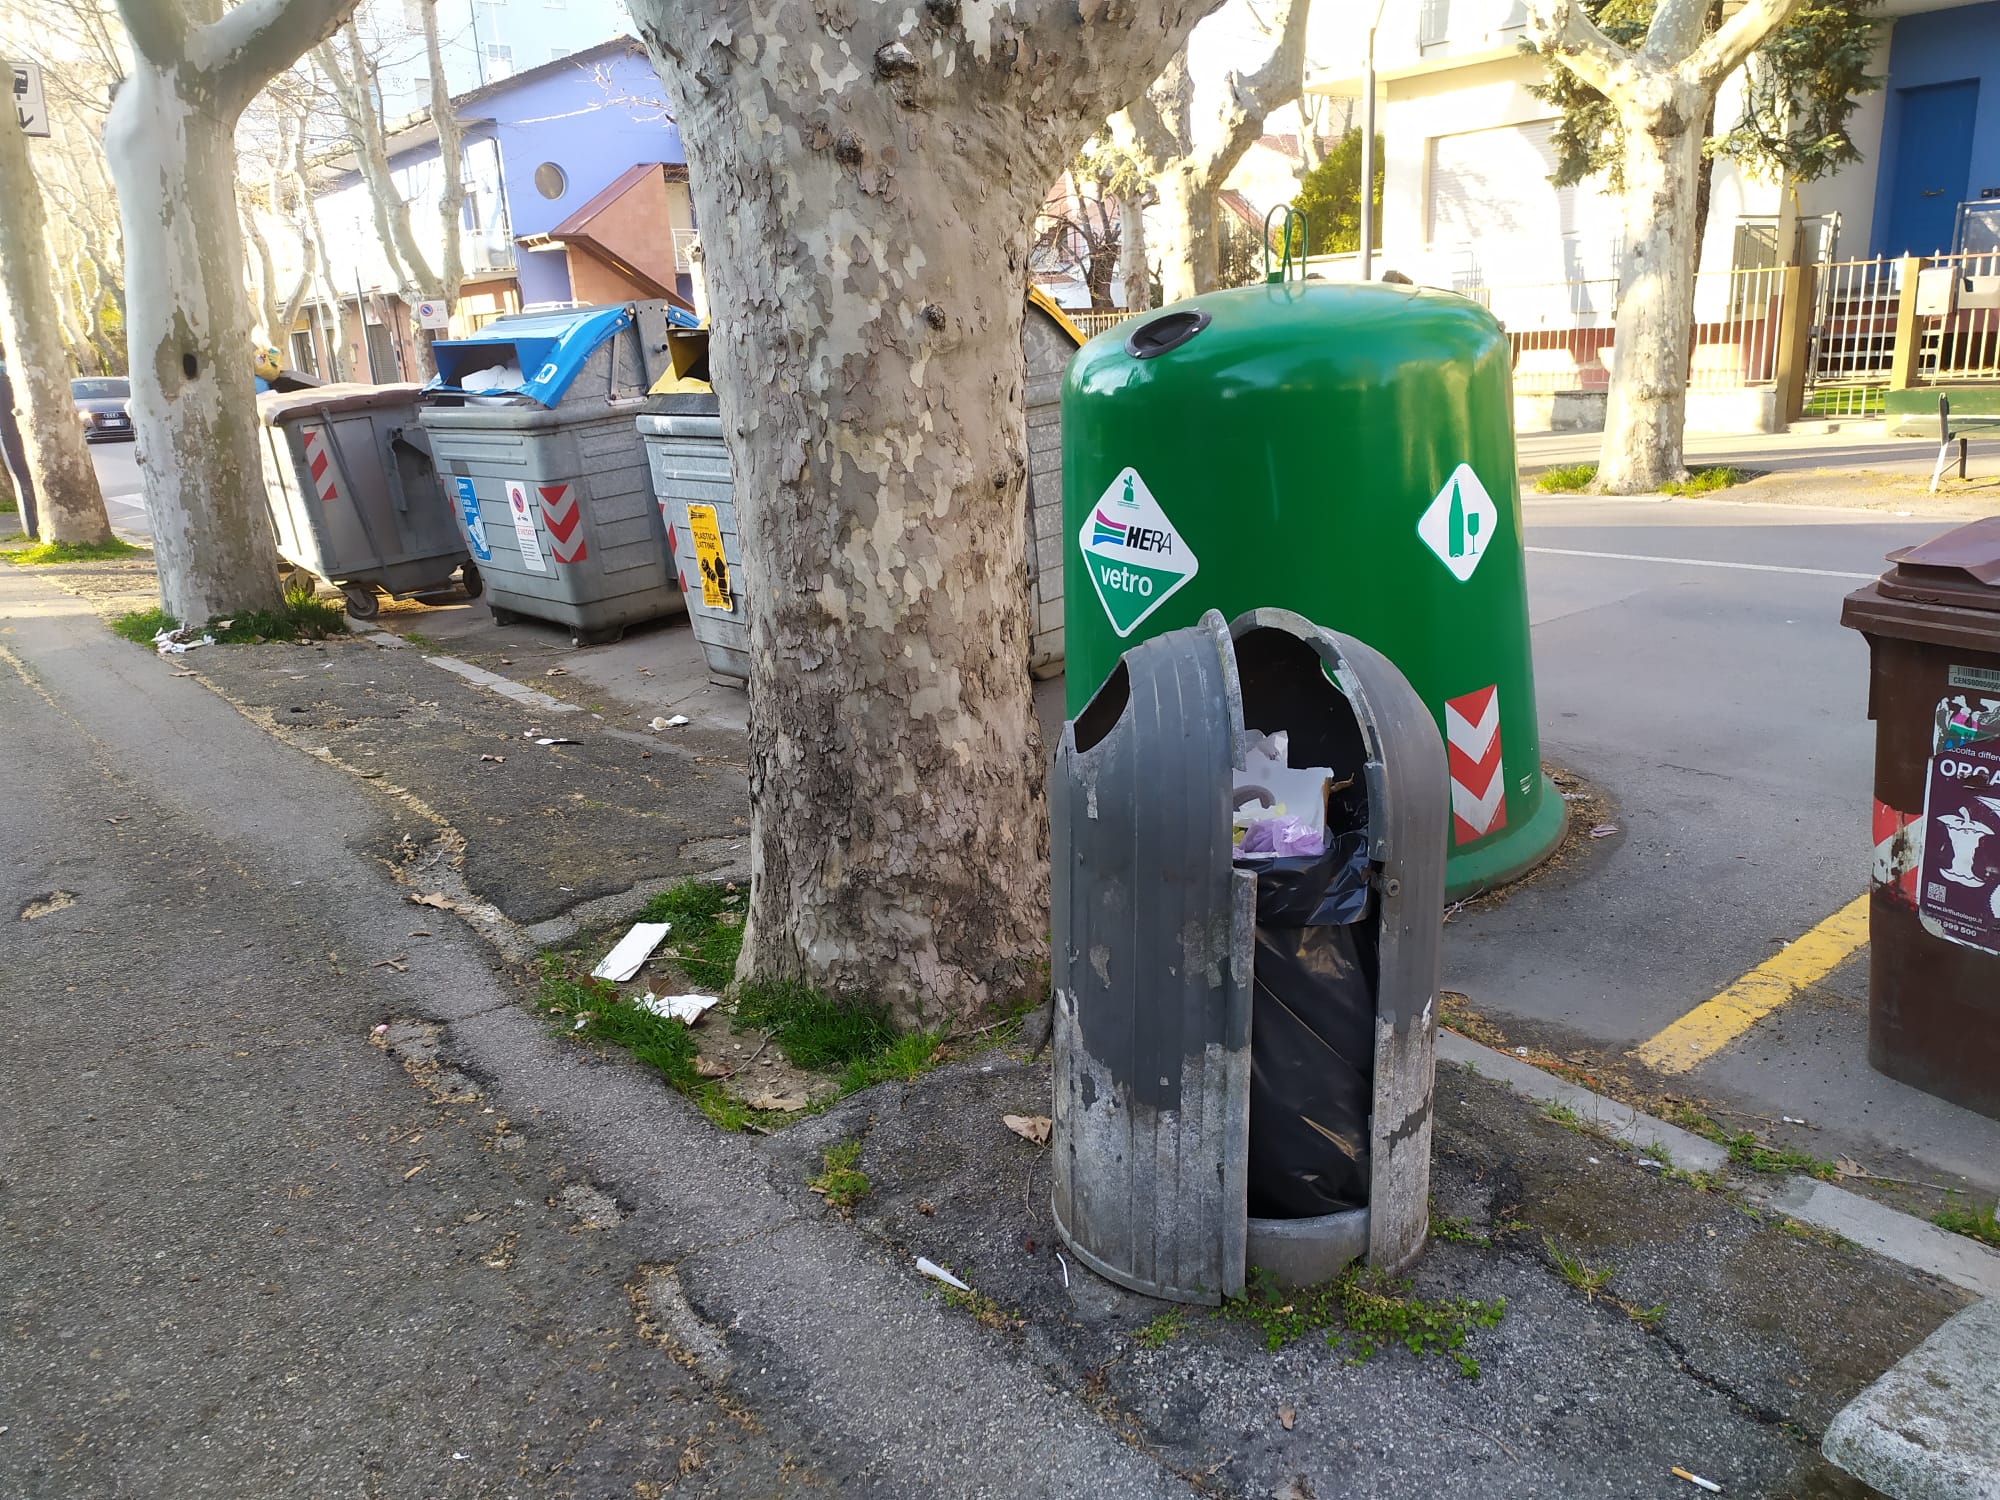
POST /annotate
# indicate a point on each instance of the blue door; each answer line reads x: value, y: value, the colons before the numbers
x: 1933, y: 166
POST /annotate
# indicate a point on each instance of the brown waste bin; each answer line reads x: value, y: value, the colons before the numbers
x: 1933, y: 628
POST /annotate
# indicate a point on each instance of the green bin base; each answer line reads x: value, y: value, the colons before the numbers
x: 1513, y: 854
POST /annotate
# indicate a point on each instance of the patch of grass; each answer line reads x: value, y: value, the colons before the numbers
x: 660, y: 1042
x: 1456, y: 1231
x: 1813, y: 1234
x: 1753, y: 1155
x: 1589, y: 1280
x: 72, y: 552
x: 839, y: 1182
x: 707, y: 931
x: 1163, y: 1330
x: 1567, y: 479
x: 812, y: 1030
x: 1705, y: 480
x: 1361, y: 1312
x: 142, y: 625
x: 1563, y: 1115
x: 985, y: 1311
x: 303, y: 618
x: 1982, y: 1224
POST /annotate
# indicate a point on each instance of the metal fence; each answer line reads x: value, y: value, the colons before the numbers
x: 1090, y: 324
x: 1958, y: 326
x: 1851, y: 345
x: 1564, y: 332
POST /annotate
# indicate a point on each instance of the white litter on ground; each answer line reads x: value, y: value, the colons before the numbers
x: 937, y: 1272
x: 683, y: 1008
x: 633, y: 949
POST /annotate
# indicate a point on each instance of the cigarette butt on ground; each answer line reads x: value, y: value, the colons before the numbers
x: 1708, y: 1484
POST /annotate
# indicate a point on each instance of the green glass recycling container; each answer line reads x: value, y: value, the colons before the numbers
x: 1345, y: 451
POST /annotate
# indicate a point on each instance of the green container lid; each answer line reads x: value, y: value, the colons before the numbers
x: 1345, y: 451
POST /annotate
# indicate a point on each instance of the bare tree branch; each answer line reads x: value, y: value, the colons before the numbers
x: 1561, y: 30
x: 1724, y: 51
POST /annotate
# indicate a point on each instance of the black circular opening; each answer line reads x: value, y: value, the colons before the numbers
x: 1168, y: 331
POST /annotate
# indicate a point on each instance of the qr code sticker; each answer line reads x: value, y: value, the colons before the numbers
x: 1935, y: 892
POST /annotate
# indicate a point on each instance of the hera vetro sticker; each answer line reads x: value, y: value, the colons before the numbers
x: 524, y: 527
x: 1958, y: 881
x: 1135, y: 558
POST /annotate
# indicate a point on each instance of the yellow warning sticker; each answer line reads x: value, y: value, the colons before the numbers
x: 708, y: 551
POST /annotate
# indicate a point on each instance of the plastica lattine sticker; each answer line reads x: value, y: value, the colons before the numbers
x: 1460, y: 522
x: 1135, y: 558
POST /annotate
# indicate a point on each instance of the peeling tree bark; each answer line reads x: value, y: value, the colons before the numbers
x: 170, y: 141
x: 70, y: 506
x: 1664, y: 92
x: 1190, y: 154
x: 865, y: 178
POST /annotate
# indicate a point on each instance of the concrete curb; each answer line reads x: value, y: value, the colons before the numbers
x: 1889, y: 1233
x: 506, y: 687
x: 1930, y: 1428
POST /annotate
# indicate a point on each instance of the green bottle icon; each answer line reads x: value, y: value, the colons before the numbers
x: 1128, y: 500
x: 1455, y: 529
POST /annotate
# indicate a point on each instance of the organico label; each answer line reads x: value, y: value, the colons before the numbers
x: 1135, y: 558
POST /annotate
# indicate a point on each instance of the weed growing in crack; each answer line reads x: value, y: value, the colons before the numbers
x: 1362, y: 1312
x: 985, y: 1311
x: 839, y: 1181
x: 1456, y: 1231
x: 1572, y: 1268
x: 707, y: 932
x: 1163, y: 1330
x: 1982, y: 1224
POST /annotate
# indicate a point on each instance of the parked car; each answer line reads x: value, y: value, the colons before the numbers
x: 103, y: 403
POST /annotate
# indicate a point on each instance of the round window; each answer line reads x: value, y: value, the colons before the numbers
x: 549, y: 180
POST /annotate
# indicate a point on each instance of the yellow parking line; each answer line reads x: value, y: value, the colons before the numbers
x: 1714, y: 1024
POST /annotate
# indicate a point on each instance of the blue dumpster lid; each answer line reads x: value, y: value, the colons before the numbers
x: 548, y: 348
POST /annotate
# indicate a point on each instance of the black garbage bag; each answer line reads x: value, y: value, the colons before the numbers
x: 1312, y: 1033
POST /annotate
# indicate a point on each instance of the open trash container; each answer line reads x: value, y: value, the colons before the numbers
x: 692, y: 482
x: 1244, y: 1046
x: 1932, y: 622
x: 353, y: 493
x: 531, y: 421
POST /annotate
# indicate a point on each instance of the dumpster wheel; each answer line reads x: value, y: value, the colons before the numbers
x: 470, y: 581
x: 362, y: 603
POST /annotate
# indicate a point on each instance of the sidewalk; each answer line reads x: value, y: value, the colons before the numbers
x: 1649, y: 1323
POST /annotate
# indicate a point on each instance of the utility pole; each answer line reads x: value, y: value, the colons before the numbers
x: 1368, y: 149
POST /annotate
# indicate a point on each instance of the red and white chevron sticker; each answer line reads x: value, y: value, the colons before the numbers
x: 320, y: 462
x: 1478, y: 789
x: 1899, y: 839
x: 564, y: 518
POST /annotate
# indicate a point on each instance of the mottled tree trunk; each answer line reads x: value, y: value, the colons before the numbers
x: 1184, y: 243
x: 1134, y: 275
x: 1663, y: 91
x: 865, y: 182
x: 1646, y: 410
x: 71, y: 507
x: 1190, y: 152
x: 172, y: 154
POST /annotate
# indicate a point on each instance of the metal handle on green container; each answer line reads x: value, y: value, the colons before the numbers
x: 1284, y: 269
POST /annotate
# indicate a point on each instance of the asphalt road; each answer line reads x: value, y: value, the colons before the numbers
x: 1724, y: 711
x: 118, y: 476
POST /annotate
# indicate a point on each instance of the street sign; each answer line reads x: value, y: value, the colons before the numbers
x: 432, y: 314
x: 29, y: 104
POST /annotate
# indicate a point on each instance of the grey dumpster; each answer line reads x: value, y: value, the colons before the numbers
x: 1160, y: 955
x: 546, y: 471
x: 691, y: 480
x: 354, y: 496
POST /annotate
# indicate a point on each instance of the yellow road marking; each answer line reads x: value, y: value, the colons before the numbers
x: 1714, y: 1024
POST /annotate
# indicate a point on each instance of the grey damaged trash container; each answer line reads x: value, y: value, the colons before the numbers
x: 545, y: 469
x: 353, y: 494
x: 691, y: 480
x: 1154, y: 968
